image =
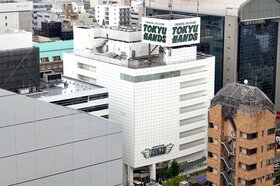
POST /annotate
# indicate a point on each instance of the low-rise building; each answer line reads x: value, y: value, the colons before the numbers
x: 72, y: 93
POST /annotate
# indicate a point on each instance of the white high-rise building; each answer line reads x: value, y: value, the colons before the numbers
x: 161, y: 95
x: 112, y: 14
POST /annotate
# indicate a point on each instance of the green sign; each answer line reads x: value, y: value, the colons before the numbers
x: 155, y: 33
x: 184, y: 33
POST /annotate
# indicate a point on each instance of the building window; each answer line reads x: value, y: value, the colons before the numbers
x: 269, y: 177
x: 248, y: 151
x: 212, y: 155
x: 270, y: 146
x: 98, y: 96
x: 248, y: 167
x: 150, y: 77
x: 212, y: 170
x: 6, y: 24
x: 6, y: 17
x: 56, y: 58
x: 270, y: 131
x: 210, y: 125
x: 72, y: 101
x: 270, y: 161
x: 249, y: 136
x: 95, y: 108
x: 44, y: 59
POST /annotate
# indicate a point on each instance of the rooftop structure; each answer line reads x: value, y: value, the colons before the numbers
x: 236, y: 95
x: 65, y: 86
x: 73, y: 93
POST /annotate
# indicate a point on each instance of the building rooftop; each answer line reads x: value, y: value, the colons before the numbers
x: 235, y: 95
x: 170, y: 16
x: 66, y: 86
x: 134, y: 63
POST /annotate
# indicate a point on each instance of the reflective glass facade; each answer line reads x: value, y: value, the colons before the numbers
x: 257, y: 55
x: 211, y: 41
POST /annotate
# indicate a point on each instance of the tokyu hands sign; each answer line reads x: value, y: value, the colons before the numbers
x: 157, y: 150
x: 177, y: 32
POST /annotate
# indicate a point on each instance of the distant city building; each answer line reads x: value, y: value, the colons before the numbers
x: 69, y: 14
x: 243, y: 36
x: 48, y: 144
x: 47, y: 16
x: 19, y: 64
x: 72, y: 93
x: 137, y: 12
x: 39, y: 7
x: 159, y: 94
x: 51, y: 52
x: 241, y: 137
x: 76, y: 15
x: 16, y: 15
x: 112, y: 15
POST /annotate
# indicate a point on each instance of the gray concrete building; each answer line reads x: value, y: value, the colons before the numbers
x: 16, y: 15
x: 243, y: 35
x: 47, y: 144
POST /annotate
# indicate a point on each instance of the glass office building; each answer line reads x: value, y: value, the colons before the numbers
x: 257, y: 54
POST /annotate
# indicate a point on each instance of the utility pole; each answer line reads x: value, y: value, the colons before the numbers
x: 170, y: 8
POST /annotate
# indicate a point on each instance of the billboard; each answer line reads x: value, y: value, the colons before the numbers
x: 169, y: 33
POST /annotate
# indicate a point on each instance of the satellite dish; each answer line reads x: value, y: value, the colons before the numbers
x: 246, y: 81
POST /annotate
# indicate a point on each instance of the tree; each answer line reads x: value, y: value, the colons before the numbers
x: 174, y: 181
x: 174, y: 169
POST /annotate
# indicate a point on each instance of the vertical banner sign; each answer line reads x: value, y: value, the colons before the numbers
x: 169, y: 33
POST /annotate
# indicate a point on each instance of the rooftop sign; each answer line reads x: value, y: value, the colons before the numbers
x: 169, y: 33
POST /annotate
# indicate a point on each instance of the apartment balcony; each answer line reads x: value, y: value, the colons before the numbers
x: 248, y: 143
x: 248, y: 159
x: 248, y: 174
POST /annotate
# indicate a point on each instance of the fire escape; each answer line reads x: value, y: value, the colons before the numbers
x: 100, y: 47
x: 229, y: 155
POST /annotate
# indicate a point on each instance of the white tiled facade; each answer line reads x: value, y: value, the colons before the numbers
x: 157, y: 111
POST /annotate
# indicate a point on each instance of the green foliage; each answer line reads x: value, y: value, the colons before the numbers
x: 174, y: 181
x: 277, y: 177
x: 173, y: 170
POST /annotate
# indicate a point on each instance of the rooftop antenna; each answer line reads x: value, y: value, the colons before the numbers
x: 170, y: 8
x: 197, y: 7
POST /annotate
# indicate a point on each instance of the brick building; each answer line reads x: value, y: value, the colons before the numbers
x: 241, y: 137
